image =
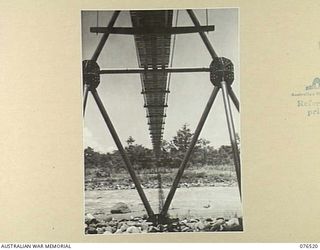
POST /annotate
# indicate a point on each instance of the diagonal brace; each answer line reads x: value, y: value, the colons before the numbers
x: 105, y: 36
x: 189, y: 151
x: 122, y: 152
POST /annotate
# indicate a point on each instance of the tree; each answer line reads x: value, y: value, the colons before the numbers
x: 203, y: 148
x: 130, y: 141
x: 183, y: 138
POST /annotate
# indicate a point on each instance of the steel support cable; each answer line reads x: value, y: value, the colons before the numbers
x: 97, y: 21
x: 160, y: 190
x: 172, y: 54
x: 207, y: 18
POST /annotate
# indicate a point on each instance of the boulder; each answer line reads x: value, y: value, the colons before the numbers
x: 133, y: 230
x: 108, y: 218
x: 100, y: 230
x: 101, y: 224
x: 199, y: 225
x: 92, y: 230
x: 124, y: 227
x: 89, y: 218
x: 144, y: 226
x: 120, y: 208
x: 113, y: 223
x: 234, y: 222
x: 218, y: 225
x: 185, y: 229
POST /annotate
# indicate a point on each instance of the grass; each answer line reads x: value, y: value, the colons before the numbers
x: 204, y: 175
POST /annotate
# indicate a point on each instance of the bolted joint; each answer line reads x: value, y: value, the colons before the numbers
x: 91, y: 73
x: 221, y: 69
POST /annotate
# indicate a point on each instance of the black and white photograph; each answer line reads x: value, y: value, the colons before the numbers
x: 161, y: 121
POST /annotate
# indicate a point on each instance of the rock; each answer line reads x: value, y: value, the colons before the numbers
x: 92, y: 230
x: 109, y: 229
x: 118, y: 231
x: 194, y: 220
x: 133, y: 229
x: 100, y: 230
x: 234, y: 222
x: 218, y: 225
x: 124, y: 227
x: 184, y: 229
x: 144, y: 226
x: 107, y: 232
x: 113, y: 223
x: 108, y: 218
x: 199, y: 225
x: 120, y: 208
x: 153, y: 229
x: 137, y: 219
x: 89, y: 218
x: 207, y: 226
x: 191, y: 225
x: 101, y: 224
x: 185, y: 221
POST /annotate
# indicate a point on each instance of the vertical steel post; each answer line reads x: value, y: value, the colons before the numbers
x: 202, y: 34
x: 122, y: 152
x: 85, y: 97
x: 232, y: 132
x: 105, y: 36
x: 189, y: 151
x: 234, y: 98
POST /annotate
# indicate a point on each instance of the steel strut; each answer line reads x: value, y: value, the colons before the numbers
x: 85, y: 97
x: 105, y: 36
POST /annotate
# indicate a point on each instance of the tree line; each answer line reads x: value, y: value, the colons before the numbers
x: 173, y: 152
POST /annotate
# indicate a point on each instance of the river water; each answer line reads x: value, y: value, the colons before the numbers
x: 191, y: 202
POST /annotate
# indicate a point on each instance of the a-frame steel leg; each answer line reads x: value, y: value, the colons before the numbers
x: 202, y: 34
x: 232, y: 132
x: 189, y: 152
x: 234, y: 98
x: 122, y: 152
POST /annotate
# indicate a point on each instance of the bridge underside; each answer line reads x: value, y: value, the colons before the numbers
x: 153, y: 51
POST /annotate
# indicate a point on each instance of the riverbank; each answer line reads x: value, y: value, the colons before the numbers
x: 208, y: 176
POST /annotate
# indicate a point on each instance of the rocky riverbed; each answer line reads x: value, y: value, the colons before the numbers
x: 111, y: 225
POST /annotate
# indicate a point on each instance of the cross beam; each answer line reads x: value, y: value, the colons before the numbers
x: 155, y: 70
x: 151, y: 30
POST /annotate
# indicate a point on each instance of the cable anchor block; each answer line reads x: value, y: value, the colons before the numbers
x: 221, y: 69
x: 91, y: 73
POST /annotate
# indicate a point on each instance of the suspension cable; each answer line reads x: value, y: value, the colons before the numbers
x: 97, y: 20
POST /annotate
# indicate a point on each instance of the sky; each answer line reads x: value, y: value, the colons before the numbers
x: 189, y: 92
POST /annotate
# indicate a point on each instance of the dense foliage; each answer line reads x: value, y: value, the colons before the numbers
x: 172, y: 154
